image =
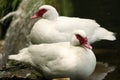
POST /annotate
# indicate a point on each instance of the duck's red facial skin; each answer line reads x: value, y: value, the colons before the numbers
x: 83, y: 41
x: 39, y: 13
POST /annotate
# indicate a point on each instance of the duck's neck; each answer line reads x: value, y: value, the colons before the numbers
x: 53, y: 16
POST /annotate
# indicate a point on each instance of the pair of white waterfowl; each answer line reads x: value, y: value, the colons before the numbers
x: 61, y: 45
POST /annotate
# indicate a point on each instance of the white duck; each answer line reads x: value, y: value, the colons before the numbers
x: 54, y: 28
x: 73, y: 59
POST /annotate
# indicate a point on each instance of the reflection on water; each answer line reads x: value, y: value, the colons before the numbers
x: 101, y: 71
x: 109, y: 57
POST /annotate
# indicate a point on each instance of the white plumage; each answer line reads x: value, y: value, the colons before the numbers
x: 54, y: 28
x: 73, y: 59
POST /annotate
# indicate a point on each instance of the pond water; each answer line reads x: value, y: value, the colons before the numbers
x: 110, y: 55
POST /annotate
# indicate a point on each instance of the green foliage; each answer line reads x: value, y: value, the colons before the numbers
x: 50, y: 2
x: 15, y: 4
x: 7, y: 6
x: 66, y: 7
x: 3, y: 5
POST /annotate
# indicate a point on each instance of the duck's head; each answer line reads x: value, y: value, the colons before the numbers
x: 47, y: 12
x: 81, y: 39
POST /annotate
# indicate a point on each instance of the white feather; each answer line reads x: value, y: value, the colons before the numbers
x: 54, y: 28
x: 61, y: 59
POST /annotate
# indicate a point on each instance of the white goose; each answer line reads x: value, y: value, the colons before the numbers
x: 54, y: 28
x: 73, y: 59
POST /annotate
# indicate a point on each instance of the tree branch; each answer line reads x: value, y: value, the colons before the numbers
x: 8, y: 15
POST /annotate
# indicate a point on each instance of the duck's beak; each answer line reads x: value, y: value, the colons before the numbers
x: 34, y: 16
x: 87, y: 45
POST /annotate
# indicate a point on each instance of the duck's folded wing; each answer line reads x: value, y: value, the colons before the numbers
x: 42, y: 53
